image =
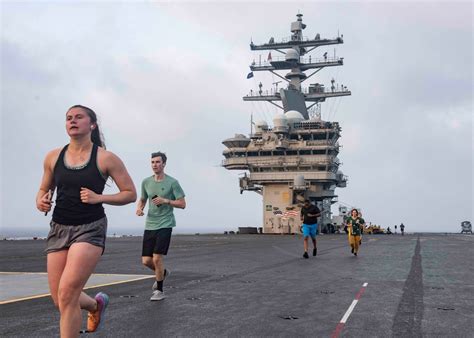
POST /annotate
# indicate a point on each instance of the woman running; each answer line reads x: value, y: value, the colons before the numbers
x: 355, y: 228
x: 76, y: 239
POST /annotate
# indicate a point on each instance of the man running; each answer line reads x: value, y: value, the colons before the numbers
x: 309, y: 217
x: 164, y: 194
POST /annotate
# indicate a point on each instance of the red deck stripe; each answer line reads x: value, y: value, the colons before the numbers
x: 359, y: 294
x: 338, y: 330
x: 340, y: 325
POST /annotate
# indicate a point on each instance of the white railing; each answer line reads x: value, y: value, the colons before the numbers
x: 265, y: 61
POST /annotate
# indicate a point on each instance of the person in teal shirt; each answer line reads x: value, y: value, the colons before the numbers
x: 164, y: 194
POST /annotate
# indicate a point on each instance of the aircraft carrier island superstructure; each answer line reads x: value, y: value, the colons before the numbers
x: 296, y: 158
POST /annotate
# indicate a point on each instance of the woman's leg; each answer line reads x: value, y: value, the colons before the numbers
x: 56, y: 261
x: 350, y: 238
x: 356, y: 243
x: 82, y: 259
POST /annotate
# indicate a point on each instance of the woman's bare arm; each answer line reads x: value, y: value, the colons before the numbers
x: 43, y: 200
x: 112, y: 166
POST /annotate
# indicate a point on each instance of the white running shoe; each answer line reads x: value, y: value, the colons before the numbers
x: 157, y: 295
x: 155, y: 284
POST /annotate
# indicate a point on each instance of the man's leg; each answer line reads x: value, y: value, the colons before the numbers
x: 305, y: 239
x: 163, y: 239
x: 159, y: 269
x: 149, y: 244
x: 155, y: 243
x: 148, y: 262
x: 305, y: 245
x: 149, y: 241
x: 162, y: 244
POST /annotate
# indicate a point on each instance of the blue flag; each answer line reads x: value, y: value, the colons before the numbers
x: 249, y: 75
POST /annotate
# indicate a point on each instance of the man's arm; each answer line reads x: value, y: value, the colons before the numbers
x: 179, y: 203
x: 314, y: 215
x: 315, y: 212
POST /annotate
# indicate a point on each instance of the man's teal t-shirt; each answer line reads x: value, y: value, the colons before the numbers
x: 162, y: 216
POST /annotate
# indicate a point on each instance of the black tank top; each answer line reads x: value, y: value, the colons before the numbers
x: 69, y: 209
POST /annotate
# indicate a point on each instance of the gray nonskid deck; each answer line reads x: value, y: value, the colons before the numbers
x: 256, y: 285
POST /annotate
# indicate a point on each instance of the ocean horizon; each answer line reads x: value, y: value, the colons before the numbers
x: 26, y: 234
x: 30, y: 233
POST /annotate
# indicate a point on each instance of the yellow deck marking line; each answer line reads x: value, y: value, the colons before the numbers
x: 23, y: 273
x: 25, y: 298
x: 89, y: 287
x: 45, y: 273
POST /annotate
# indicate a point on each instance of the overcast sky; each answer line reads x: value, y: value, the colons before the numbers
x: 171, y: 77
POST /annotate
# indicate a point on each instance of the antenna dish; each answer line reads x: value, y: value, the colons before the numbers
x: 293, y: 116
x: 292, y: 55
x: 260, y: 126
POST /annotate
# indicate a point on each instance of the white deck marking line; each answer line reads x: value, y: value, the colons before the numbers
x: 344, y: 318
x: 349, y: 311
x: 89, y: 287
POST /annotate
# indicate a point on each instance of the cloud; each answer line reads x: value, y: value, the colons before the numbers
x: 161, y: 77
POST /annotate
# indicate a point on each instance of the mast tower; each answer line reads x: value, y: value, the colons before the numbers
x: 296, y: 158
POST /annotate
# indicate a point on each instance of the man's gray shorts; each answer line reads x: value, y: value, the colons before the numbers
x: 61, y: 237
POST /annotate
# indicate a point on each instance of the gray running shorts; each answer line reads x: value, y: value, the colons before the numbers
x: 61, y: 237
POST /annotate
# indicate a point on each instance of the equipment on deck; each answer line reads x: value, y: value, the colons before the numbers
x: 466, y: 227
